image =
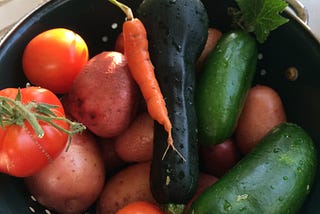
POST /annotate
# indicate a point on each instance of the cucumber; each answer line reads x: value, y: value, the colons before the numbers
x: 223, y: 85
x: 177, y: 32
x: 274, y: 178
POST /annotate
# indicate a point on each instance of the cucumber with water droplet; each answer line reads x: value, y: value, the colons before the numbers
x: 223, y: 84
x: 274, y: 178
x: 177, y: 32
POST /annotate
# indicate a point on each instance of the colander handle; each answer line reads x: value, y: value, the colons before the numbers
x: 299, y: 10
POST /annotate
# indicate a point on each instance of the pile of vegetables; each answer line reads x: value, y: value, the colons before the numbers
x: 167, y: 122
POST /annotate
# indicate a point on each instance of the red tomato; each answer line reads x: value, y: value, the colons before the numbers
x: 140, y: 207
x: 218, y: 159
x: 53, y: 59
x: 22, y: 152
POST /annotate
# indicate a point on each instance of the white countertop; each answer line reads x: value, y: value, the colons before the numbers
x: 13, y: 10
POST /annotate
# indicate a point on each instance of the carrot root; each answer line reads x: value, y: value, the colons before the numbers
x: 171, y: 145
x: 142, y: 70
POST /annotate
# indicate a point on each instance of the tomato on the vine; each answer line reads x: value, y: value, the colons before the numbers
x: 53, y: 59
x: 33, y: 131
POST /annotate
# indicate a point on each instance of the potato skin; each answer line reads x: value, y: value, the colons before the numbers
x: 136, y: 143
x: 129, y: 185
x: 73, y: 182
x: 219, y: 158
x: 213, y: 37
x: 262, y: 111
x: 104, y: 96
x: 112, y: 161
x: 204, y: 181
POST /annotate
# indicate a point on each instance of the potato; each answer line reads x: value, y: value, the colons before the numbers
x: 136, y: 143
x: 74, y: 180
x: 129, y: 185
x: 204, y: 181
x: 119, y: 43
x: 218, y: 159
x: 111, y: 159
x: 213, y: 37
x: 104, y: 96
x: 262, y: 111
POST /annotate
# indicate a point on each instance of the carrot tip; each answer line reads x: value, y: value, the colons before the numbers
x: 170, y: 144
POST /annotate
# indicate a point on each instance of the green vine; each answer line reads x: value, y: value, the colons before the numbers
x: 13, y: 111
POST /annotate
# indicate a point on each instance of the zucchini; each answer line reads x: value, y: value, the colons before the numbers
x: 223, y: 85
x: 177, y: 31
x: 274, y: 178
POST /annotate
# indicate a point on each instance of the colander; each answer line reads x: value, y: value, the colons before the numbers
x: 292, y: 46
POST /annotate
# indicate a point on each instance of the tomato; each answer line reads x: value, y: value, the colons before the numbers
x: 53, y: 59
x: 140, y: 207
x: 22, y: 151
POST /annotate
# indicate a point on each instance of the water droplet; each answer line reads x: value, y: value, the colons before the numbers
x: 178, y: 101
x: 227, y: 206
x: 242, y: 197
x: 301, y: 163
x: 177, y: 46
x: 181, y: 175
x: 299, y: 169
x: 276, y: 150
x: 285, y: 178
x: 243, y: 209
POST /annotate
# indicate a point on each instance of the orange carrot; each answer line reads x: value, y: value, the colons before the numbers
x: 137, y: 54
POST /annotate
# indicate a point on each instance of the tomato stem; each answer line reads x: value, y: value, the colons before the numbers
x: 32, y: 119
x: 15, y: 112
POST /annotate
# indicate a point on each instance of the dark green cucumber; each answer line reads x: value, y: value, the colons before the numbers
x: 223, y: 85
x: 177, y: 31
x: 274, y: 178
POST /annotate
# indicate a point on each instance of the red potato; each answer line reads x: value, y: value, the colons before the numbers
x: 213, y: 37
x: 119, y: 43
x: 111, y: 159
x: 262, y: 111
x: 136, y: 143
x: 73, y: 182
x: 204, y: 181
x: 218, y: 159
x: 129, y: 185
x: 104, y: 96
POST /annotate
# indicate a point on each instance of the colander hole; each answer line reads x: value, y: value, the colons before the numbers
x: 263, y: 72
x: 291, y: 73
x: 47, y: 211
x: 104, y: 38
x: 33, y: 198
x: 114, y: 25
x: 260, y: 56
x: 32, y: 210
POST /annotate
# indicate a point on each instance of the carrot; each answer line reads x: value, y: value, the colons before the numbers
x: 142, y: 70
